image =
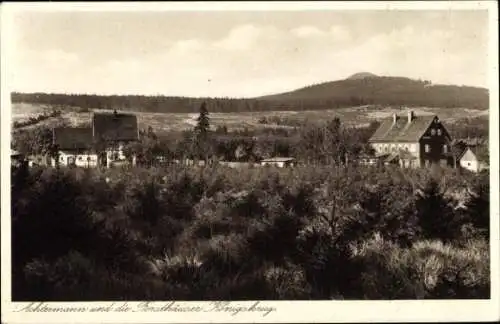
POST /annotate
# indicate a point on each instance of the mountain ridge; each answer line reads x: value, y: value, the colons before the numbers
x: 368, y: 88
x: 359, y: 89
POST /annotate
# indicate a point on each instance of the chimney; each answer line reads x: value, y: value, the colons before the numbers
x: 394, y: 118
x: 411, y: 116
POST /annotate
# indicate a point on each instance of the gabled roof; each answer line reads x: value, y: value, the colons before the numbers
x: 458, y: 149
x: 73, y: 138
x: 402, y: 131
x: 467, y: 149
x: 115, y: 126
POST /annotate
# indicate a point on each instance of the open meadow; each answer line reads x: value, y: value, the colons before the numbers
x: 164, y: 122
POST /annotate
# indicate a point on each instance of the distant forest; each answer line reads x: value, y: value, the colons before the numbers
x: 384, y: 91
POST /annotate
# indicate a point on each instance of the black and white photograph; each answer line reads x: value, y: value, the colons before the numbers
x: 232, y: 154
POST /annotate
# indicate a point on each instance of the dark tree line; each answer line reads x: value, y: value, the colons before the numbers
x: 388, y: 91
x: 180, y: 104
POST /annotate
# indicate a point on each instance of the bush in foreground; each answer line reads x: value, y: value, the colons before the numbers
x: 215, y: 233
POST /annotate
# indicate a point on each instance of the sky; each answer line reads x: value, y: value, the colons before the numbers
x: 241, y: 53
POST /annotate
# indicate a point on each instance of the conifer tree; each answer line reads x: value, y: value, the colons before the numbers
x: 201, y: 133
x: 203, y: 125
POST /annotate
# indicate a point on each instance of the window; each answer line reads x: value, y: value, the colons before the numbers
x: 427, y: 148
x: 439, y: 132
x: 433, y: 132
x: 445, y: 148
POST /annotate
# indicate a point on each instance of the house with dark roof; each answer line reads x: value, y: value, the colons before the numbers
x: 113, y: 131
x: 115, y: 127
x: 412, y: 141
x: 75, y: 146
x: 100, y: 144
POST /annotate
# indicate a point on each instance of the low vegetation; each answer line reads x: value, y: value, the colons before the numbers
x: 256, y: 233
x: 327, y: 229
x: 33, y: 120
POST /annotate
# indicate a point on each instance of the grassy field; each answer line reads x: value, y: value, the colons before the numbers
x: 356, y: 116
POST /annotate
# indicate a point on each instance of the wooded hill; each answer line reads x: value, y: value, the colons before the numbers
x: 371, y: 89
x: 365, y: 90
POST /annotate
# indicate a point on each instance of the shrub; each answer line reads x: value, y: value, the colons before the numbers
x: 212, y: 233
x: 435, y: 216
x: 428, y: 269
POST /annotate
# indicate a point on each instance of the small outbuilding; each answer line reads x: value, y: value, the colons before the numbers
x: 280, y: 162
x: 465, y: 157
x: 16, y: 158
x: 468, y: 160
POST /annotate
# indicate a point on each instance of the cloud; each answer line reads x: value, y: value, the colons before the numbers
x: 43, y: 70
x: 56, y: 56
x: 52, y: 57
x: 340, y: 33
x: 252, y: 59
x: 243, y: 37
x: 307, y: 31
x: 188, y: 46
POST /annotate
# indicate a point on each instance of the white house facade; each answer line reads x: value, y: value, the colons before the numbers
x: 469, y: 161
x: 71, y: 158
x: 101, y: 144
x: 414, y: 141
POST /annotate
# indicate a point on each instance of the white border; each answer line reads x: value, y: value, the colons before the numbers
x: 287, y: 311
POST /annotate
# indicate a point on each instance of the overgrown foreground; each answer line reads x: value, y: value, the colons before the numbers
x: 257, y: 233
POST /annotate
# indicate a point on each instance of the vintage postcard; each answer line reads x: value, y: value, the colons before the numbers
x: 249, y: 162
